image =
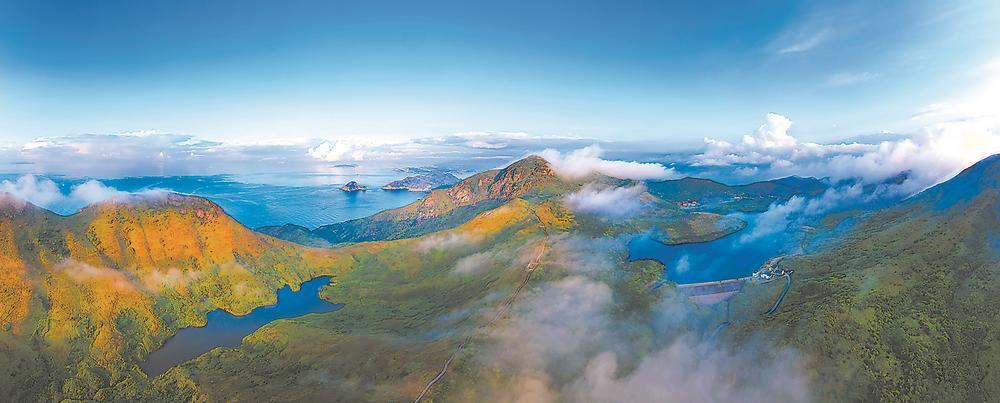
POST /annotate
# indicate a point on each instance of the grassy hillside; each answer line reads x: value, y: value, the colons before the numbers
x: 87, y: 295
x: 906, y: 307
x: 530, y: 178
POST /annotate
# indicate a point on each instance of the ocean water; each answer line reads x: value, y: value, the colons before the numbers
x: 227, y: 330
x: 310, y: 200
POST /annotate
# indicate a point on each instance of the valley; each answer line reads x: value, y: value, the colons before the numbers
x: 414, y: 316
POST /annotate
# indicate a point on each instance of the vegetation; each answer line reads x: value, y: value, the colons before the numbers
x: 905, y: 308
x: 530, y: 178
x: 92, y: 293
x: 720, y: 198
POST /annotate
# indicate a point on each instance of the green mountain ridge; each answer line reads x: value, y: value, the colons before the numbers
x: 905, y: 307
x: 530, y: 178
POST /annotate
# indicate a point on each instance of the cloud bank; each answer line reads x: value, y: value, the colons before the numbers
x: 44, y: 193
x: 568, y: 341
x: 587, y: 161
x: 614, y: 202
x: 934, y: 155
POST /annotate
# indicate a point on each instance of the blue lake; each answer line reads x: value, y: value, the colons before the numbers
x: 732, y: 256
x: 227, y: 330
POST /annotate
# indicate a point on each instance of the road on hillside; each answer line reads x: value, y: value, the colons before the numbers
x: 788, y: 285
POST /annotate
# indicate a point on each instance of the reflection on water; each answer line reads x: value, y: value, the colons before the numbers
x: 728, y: 257
x: 227, y: 330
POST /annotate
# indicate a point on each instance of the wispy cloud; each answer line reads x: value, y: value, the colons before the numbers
x: 155, y: 153
x: 848, y: 79
x: 804, y: 42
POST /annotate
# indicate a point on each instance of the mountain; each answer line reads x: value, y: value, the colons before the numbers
x: 86, y: 295
x: 905, y: 307
x: 423, y: 183
x: 530, y: 178
x: 721, y: 198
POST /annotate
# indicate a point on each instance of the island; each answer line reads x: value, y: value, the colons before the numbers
x: 353, y: 186
x: 423, y: 182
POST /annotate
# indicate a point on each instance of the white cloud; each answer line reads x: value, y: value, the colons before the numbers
x: 45, y: 193
x: 446, y: 240
x: 779, y: 215
x: 155, y: 153
x: 38, y: 191
x: 805, y: 42
x: 565, y: 342
x: 485, y: 145
x: 586, y: 161
x: 339, y: 150
x: 683, y: 264
x: 93, y: 191
x: 474, y: 263
x: 688, y: 371
x: 847, y: 79
x: 615, y: 202
x: 930, y: 157
x: 977, y: 103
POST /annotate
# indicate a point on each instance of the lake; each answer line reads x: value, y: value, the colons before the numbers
x: 729, y: 257
x: 227, y: 330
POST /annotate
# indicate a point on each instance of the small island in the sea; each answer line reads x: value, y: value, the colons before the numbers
x: 353, y: 186
x: 423, y: 182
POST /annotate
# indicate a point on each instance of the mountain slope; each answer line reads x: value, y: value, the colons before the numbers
x: 906, y: 307
x: 753, y: 197
x: 87, y: 295
x: 530, y: 178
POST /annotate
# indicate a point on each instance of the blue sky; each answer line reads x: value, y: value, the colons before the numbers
x: 673, y: 72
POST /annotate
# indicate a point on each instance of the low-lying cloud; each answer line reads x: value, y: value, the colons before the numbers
x: 445, y: 241
x: 934, y: 155
x: 45, y: 193
x: 474, y: 264
x: 611, y: 202
x: 568, y: 340
x: 580, y: 163
x: 779, y: 215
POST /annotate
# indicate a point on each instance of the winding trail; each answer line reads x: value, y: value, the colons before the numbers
x: 502, y: 309
x: 788, y: 285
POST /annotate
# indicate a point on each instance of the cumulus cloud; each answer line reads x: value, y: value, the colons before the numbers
x: 586, y: 161
x: 613, y: 202
x: 349, y: 150
x: 934, y: 155
x: 44, y: 192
